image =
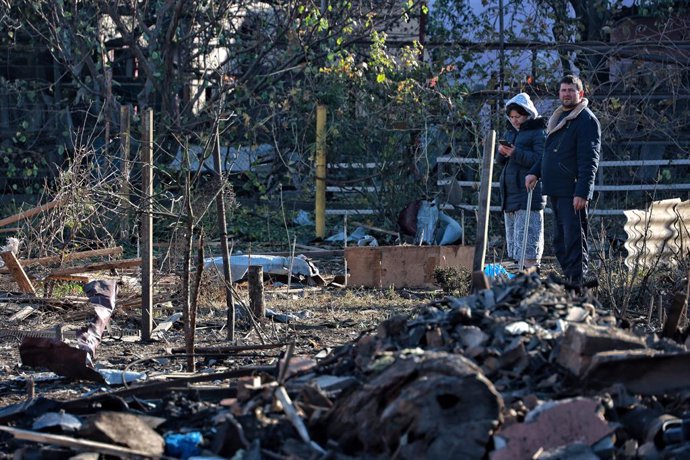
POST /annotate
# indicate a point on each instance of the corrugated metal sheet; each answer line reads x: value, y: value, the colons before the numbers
x: 659, y: 236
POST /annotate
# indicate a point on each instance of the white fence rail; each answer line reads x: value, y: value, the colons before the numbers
x: 446, y: 178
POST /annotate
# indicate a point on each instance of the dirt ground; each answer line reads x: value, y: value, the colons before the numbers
x: 320, y: 319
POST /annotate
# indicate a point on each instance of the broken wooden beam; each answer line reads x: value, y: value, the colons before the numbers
x: 69, y: 278
x: 116, y: 251
x: 30, y: 212
x: 17, y: 272
x: 96, y: 267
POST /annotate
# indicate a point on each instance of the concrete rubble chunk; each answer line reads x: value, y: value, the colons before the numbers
x: 125, y: 430
x: 582, y: 341
x: 551, y: 426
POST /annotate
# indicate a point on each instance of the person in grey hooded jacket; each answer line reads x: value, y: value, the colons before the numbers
x: 525, y: 136
x: 567, y: 171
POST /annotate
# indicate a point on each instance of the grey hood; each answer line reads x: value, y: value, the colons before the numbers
x: 524, y: 101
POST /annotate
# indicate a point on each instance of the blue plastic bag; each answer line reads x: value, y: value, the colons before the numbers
x: 494, y: 270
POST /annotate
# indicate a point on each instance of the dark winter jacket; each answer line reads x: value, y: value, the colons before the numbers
x: 529, y: 146
x: 571, y: 153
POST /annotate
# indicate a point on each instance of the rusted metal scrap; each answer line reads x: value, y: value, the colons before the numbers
x: 58, y: 357
x: 68, y: 361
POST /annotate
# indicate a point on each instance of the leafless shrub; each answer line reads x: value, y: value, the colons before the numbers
x: 89, y: 206
x: 634, y: 291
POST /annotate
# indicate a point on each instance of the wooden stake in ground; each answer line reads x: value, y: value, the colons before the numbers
x: 147, y: 226
x: 18, y: 272
x: 255, y: 277
x: 320, y: 197
x: 483, y: 210
x: 223, y: 230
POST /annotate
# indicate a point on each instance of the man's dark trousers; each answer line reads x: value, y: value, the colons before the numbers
x: 570, y: 238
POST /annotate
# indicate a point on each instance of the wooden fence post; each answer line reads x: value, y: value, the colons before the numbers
x: 478, y: 278
x: 147, y: 225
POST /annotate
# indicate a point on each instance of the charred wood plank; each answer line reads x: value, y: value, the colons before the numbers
x: 641, y: 371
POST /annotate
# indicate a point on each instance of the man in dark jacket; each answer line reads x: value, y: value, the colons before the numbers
x: 567, y: 171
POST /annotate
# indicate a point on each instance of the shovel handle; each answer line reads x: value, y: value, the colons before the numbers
x: 521, y: 266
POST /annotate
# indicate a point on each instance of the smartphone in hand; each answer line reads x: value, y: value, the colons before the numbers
x: 505, y: 142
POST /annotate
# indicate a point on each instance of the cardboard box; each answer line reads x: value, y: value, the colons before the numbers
x: 403, y: 266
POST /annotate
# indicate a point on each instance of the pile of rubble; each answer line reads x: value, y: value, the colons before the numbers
x: 525, y: 369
